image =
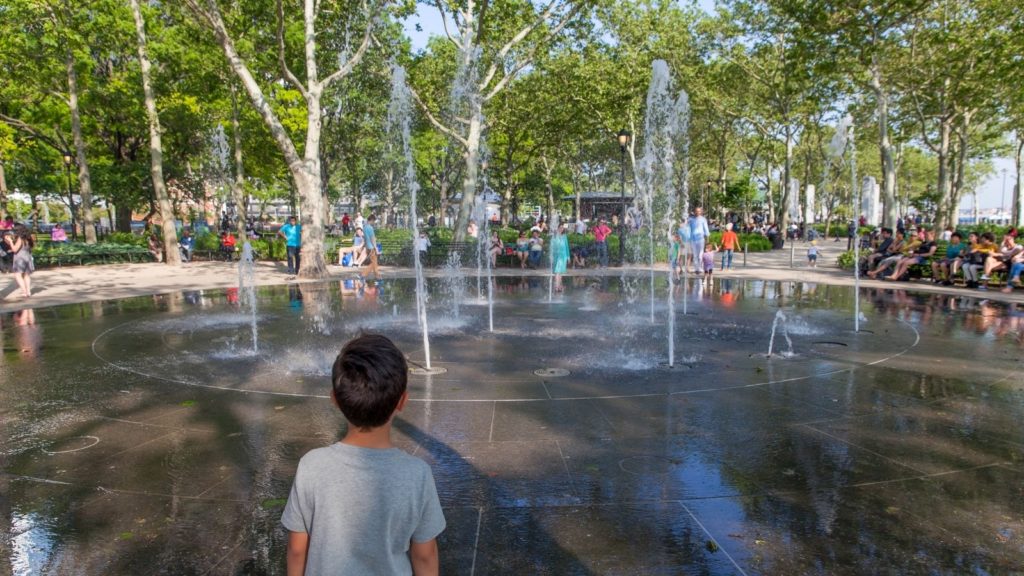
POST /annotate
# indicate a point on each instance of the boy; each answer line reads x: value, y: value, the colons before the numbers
x: 730, y: 243
x: 812, y: 254
x: 362, y: 506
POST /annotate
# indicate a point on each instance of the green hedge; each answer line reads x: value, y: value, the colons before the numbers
x: 753, y: 242
x: 81, y: 253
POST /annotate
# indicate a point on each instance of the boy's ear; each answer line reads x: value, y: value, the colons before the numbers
x: 401, y: 401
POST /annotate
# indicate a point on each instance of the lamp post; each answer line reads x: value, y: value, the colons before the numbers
x: 707, y: 192
x: 71, y: 197
x: 624, y: 137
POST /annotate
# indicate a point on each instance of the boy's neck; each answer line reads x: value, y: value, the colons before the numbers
x: 378, y: 438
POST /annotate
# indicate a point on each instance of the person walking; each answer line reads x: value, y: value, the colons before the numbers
x: 699, y: 233
x: 21, y: 244
x: 371, y: 244
x: 292, y: 234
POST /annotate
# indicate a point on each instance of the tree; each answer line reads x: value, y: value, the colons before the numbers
x: 503, y: 40
x: 785, y: 88
x: 167, y: 216
x: 304, y: 162
x: 45, y: 49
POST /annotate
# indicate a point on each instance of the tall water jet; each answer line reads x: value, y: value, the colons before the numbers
x: 482, y: 238
x: 794, y: 200
x: 399, y: 114
x: 842, y: 141
x: 666, y: 123
x: 483, y: 254
x: 247, y: 290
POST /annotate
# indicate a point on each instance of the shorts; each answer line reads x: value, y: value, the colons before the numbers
x: 812, y: 257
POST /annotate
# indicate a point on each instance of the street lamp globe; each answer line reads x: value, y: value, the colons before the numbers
x: 624, y: 137
x: 67, y: 159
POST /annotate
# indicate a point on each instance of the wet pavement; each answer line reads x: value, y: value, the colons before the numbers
x: 145, y: 435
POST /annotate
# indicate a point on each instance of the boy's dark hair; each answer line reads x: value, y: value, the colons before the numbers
x: 369, y: 377
x: 989, y: 236
x: 956, y: 235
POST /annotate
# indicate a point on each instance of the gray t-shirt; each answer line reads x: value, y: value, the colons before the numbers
x: 361, y: 507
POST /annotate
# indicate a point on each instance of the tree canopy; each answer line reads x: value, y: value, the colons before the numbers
x: 298, y: 92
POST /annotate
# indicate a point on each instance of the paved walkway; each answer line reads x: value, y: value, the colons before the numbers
x: 66, y: 285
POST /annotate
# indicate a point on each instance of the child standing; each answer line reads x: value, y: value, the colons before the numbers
x: 362, y: 506
x: 708, y: 259
x: 812, y: 254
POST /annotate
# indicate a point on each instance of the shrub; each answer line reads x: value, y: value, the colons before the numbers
x: 81, y: 253
x: 125, y: 238
x: 207, y: 241
x: 846, y: 260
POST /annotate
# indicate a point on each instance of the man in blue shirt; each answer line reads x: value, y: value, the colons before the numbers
x: 698, y: 234
x: 187, y: 244
x: 371, y: 243
x: 292, y: 234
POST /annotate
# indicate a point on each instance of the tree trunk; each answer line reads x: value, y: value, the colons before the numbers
x: 577, y: 193
x: 890, y: 212
x: 469, y: 182
x: 3, y: 186
x: 548, y: 168
x: 506, y: 200
x: 124, y: 218
x: 443, y: 189
x: 238, y: 184
x: 944, y: 218
x: 1018, y: 198
x: 173, y: 256
x: 307, y: 182
x: 961, y: 166
x: 787, y: 175
x: 84, y: 179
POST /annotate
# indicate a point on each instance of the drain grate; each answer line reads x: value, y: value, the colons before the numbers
x: 551, y: 372
x: 423, y: 371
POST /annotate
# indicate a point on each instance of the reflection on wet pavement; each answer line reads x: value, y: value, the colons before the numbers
x: 144, y: 435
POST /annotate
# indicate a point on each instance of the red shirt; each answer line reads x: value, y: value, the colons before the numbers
x: 730, y: 240
x: 601, y: 232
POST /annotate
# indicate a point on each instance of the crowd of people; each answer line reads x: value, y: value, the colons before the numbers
x: 978, y: 258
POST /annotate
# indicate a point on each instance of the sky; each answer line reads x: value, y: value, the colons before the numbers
x: 990, y: 193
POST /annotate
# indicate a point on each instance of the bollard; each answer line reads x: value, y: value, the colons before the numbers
x: 744, y: 254
x: 792, y: 251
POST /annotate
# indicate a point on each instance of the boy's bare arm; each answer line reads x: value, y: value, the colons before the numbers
x: 298, y: 545
x: 423, y: 556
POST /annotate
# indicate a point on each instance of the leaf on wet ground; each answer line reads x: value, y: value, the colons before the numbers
x: 125, y: 535
x: 187, y: 403
x: 273, y: 503
x: 711, y: 546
